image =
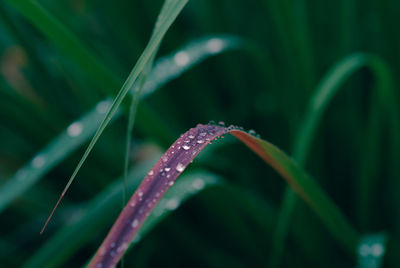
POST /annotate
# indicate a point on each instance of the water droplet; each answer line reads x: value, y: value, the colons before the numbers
x: 377, y: 250
x: 132, y: 204
x: 102, y: 107
x: 38, y: 161
x: 164, y: 158
x: 75, y: 129
x: 211, y: 122
x: 180, y: 167
x: 198, y: 184
x: 215, y: 45
x: 221, y: 123
x: 252, y: 132
x: 171, y: 183
x: 186, y: 147
x: 181, y: 58
x: 191, y: 137
x: 123, y: 247
x: 167, y: 169
x: 203, y: 134
x: 364, y: 250
x: 172, y: 204
x: 140, y: 193
x: 200, y: 141
x: 135, y: 223
x: 150, y: 173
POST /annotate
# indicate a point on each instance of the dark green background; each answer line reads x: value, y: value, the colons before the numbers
x: 299, y: 40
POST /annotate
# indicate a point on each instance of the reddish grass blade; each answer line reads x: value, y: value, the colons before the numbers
x: 159, y: 179
x: 163, y: 175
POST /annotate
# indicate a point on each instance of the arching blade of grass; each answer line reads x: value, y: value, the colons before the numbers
x: 76, y: 134
x: 64, y: 144
x: 168, y: 14
x: 168, y: 68
x: 163, y: 175
x: 325, y: 91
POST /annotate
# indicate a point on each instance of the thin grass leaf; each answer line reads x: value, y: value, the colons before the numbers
x: 172, y: 66
x: 72, y: 138
x: 163, y: 175
x: 76, y: 50
x: 170, y: 11
x: 323, y: 95
x: 62, y: 146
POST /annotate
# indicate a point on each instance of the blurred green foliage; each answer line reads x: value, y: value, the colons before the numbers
x: 45, y: 86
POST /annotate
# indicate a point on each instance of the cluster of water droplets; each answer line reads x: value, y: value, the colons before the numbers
x: 376, y: 250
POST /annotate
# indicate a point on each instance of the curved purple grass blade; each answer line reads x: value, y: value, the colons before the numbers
x: 163, y: 175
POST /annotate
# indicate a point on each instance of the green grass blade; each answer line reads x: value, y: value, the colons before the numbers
x: 325, y: 91
x: 173, y: 65
x: 61, y: 146
x: 72, y: 138
x: 163, y: 175
x: 308, y: 189
x: 175, y: 8
x: 76, y: 50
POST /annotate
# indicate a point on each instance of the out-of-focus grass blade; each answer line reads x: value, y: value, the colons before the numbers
x: 61, y: 146
x: 172, y: 66
x: 325, y: 91
x: 76, y: 134
x: 168, y: 14
x: 371, y: 250
x: 67, y: 42
x: 76, y: 50
x: 308, y: 189
x: 163, y: 175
